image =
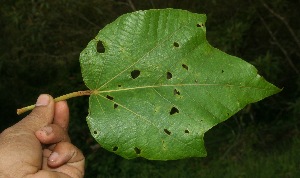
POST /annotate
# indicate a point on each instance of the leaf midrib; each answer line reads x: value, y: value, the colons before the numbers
x: 176, y: 85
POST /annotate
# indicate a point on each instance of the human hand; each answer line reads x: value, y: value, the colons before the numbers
x: 39, y: 145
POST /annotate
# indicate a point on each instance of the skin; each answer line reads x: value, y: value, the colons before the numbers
x: 39, y: 145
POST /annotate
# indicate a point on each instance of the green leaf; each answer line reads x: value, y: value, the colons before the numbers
x: 159, y: 85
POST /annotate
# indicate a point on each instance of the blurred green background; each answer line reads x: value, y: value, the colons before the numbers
x: 39, y: 53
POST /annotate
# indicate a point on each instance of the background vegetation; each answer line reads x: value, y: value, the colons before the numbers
x: 40, y: 44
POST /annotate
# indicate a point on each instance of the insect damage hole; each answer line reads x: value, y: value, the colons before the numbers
x: 200, y: 25
x: 100, y: 47
x: 135, y: 74
x: 176, y: 45
x: 185, y: 66
x: 174, y: 110
x: 167, y: 131
x: 115, y: 148
x: 116, y: 106
x: 176, y: 92
x: 109, y: 97
x: 95, y: 132
x: 137, y: 150
x: 169, y: 75
x: 186, y: 131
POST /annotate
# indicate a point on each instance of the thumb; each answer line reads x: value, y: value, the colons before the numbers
x: 41, y: 115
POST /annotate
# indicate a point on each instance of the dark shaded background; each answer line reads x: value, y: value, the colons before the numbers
x: 39, y: 51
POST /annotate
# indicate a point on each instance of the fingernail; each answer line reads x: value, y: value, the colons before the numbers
x: 53, y: 157
x: 47, y: 130
x: 43, y: 100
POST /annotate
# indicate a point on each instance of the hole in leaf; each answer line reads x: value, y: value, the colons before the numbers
x: 100, y: 47
x: 115, y: 148
x: 115, y: 106
x: 137, y: 150
x: 167, y: 131
x: 174, y: 110
x: 186, y: 131
x: 95, y: 132
x: 135, y: 74
x: 185, y: 66
x: 222, y: 71
x: 119, y: 85
x: 175, y: 44
x: 109, y: 97
x: 200, y: 25
x: 169, y: 75
x: 176, y: 92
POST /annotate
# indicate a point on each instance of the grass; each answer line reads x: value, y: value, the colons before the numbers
x: 280, y: 163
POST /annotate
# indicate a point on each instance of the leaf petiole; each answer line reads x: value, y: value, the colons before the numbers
x: 60, y: 98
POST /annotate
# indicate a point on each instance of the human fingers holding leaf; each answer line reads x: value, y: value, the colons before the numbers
x: 39, y: 145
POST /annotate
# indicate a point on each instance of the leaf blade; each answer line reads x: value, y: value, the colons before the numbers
x: 161, y: 86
